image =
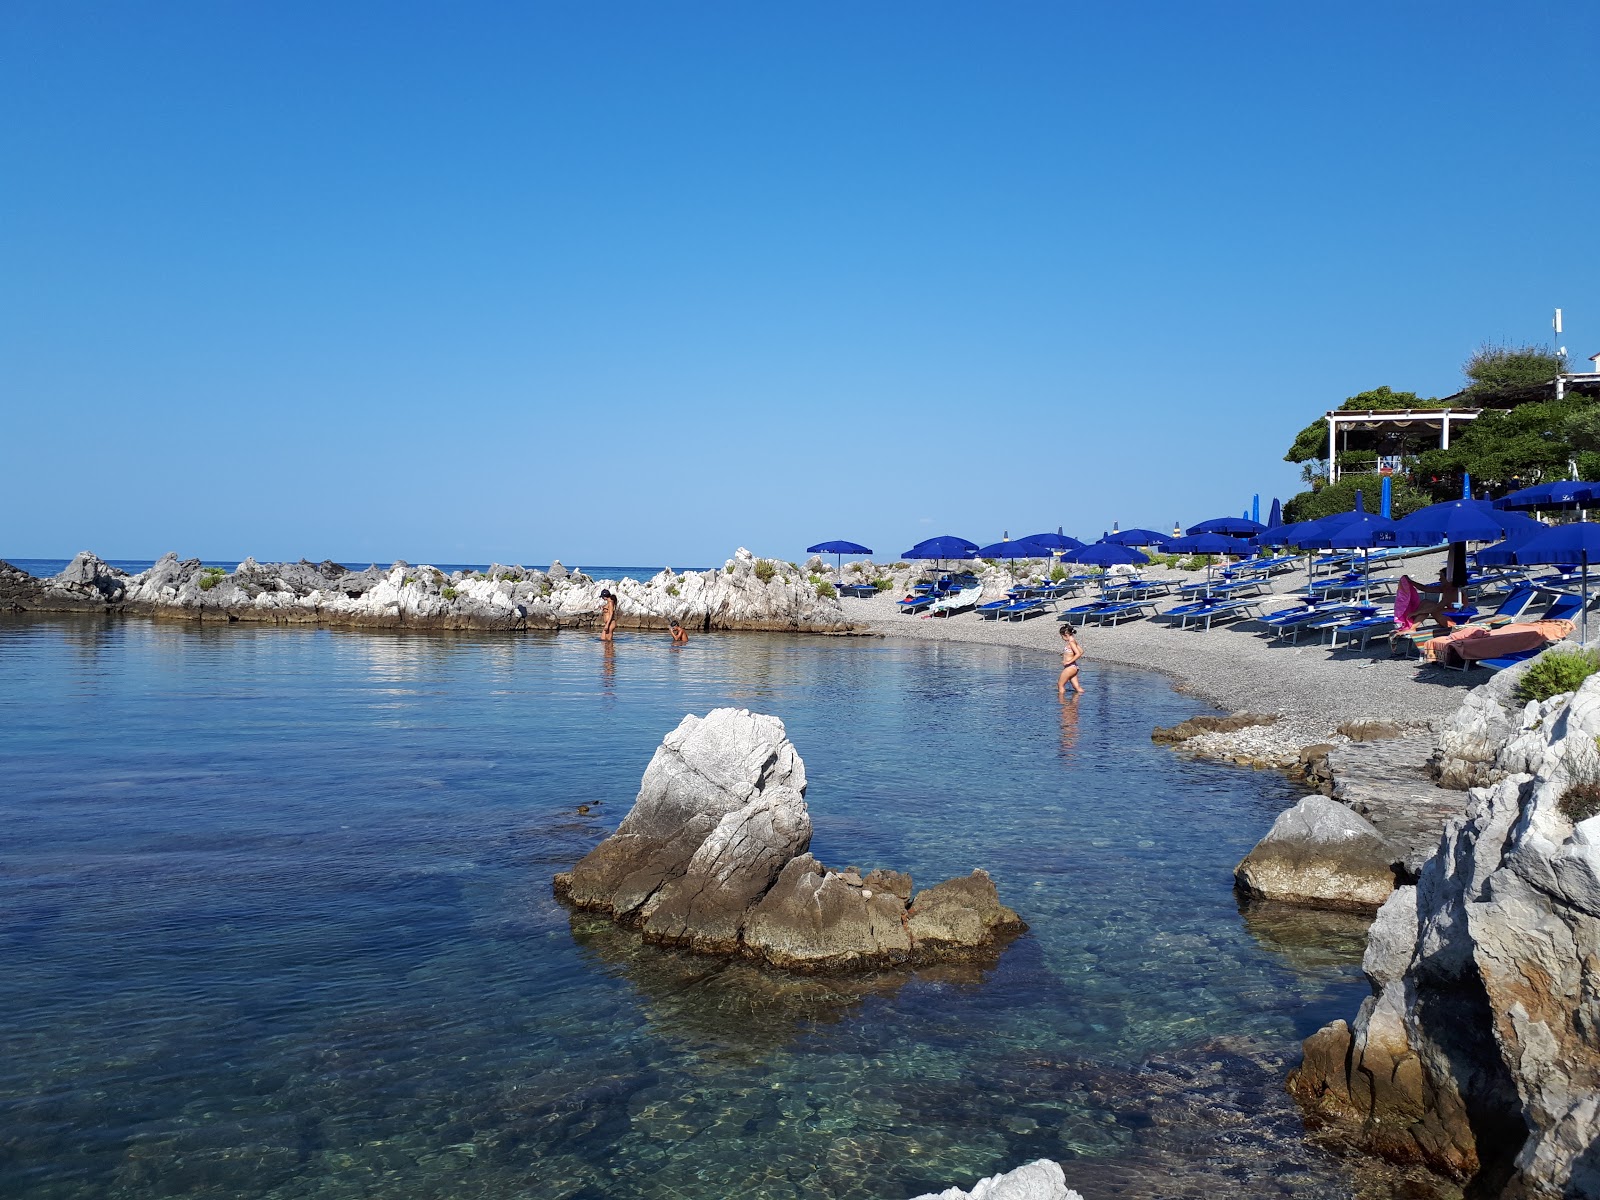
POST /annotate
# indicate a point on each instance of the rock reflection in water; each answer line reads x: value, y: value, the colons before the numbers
x: 741, y: 1007
x: 1309, y: 941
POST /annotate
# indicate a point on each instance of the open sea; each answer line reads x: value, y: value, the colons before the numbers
x: 276, y: 921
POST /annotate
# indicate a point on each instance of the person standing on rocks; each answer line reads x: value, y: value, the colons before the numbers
x: 608, y: 614
x: 1071, y: 653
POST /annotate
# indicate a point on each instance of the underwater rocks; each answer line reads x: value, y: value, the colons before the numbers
x: 747, y: 593
x: 712, y: 857
x: 1321, y: 854
x: 1041, y: 1180
x: 1478, y: 1053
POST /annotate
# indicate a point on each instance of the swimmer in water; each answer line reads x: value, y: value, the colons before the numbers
x: 679, y: 637
x: 1071, y: 653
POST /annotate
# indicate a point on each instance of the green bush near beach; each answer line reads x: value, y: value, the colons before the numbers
x: 765, y: 569
x: 210, y: 577
x: 1558, y: 672
x: 825, y: 590
x: 883, y: 585
x: 449, y: 593
x: 1058, y: 572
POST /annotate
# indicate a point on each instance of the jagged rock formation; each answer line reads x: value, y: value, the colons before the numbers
x: 1479, y: 1052
x: 1040, y: 1180
x: 1319, y: 853
x: 712, y: 856
x: 748, y: 593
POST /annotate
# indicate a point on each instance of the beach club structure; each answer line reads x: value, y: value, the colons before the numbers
x: 1510, y: 585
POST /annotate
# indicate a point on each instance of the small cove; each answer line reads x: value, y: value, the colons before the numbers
x: 276, y: 921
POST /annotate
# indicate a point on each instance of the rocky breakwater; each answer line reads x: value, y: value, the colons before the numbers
x: 1478, y: 1053
x: 713, y: 857
x: 747, y: 593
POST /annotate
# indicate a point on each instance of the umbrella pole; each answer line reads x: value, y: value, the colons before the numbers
x: 1583, y: 636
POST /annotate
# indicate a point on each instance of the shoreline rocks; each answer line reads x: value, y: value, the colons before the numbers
x: 1478, y: 1053
x: 748, y: 593
x: 1321, y: 854
x: 713, y: 857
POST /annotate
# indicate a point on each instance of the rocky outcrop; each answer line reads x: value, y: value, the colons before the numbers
x: 1471, y: 740
x: 1479, y: 1051
x: 713, y: 857
x: 1194, y: 727
x: 19, y: 591
x: 747, y: 593
x: 1319, y: 853
x: 1041, y: 1180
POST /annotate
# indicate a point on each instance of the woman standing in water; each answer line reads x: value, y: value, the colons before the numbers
x: 1071, y: 652
x: 608, y: 614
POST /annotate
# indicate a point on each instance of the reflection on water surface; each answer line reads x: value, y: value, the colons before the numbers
x: 276, y: 921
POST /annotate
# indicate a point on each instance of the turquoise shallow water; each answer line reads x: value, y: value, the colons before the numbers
x: 275, y: 920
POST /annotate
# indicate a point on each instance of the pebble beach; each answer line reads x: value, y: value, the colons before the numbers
x: 1311, y: 690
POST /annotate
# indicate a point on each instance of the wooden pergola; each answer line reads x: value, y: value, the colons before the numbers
x: 1374, y: 427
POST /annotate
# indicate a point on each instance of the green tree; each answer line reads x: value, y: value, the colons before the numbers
x: 1341, y: 497
x: 1526, y: 444
x: 1312, y: 441
x: 1502, y: 372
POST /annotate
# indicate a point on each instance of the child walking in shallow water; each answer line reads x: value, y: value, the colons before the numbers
x: 608, y: 614
x: 1071, y: 652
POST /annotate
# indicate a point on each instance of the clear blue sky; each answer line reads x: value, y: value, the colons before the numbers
x: 638, y: 283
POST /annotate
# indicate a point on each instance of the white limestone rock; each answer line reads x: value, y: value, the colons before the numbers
x: 1040, y: 1180
x: 1320, y: 853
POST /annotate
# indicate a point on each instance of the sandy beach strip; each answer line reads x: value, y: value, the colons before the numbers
x: 1311, y: 689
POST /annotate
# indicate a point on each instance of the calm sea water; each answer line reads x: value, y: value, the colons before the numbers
x: 43, y: 568
x: 275, y: 921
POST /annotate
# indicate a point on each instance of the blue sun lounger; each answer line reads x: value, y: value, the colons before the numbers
x: 1217, y: 611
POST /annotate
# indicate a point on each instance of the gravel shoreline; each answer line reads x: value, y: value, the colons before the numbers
x: 1311, y: 690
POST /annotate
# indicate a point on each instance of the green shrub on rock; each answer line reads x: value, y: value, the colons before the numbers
x: 825, y: 590
x: 449, y: 593
x: 765, y: 569
x: 1557, y: 672
x: 210, y: 577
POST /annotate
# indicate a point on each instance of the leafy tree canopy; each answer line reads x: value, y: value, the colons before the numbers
x: 1495, y: 371
x: 1341, y: 497
x: 1312, y: 441
x: 1527, y: 444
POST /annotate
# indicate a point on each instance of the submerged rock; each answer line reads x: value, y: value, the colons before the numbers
x: 713, y: 857
x: 1041, y: 1180
x: 1321, y: 854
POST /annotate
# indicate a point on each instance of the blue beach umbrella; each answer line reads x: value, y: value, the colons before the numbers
x: 1138, y: 537
x: 937, y: 549
x: 1105, y: 554
x: 1021, y: 548
x: 1578, y: 542
x: 1386, y: 498
x: 1275, y: 517
x: 1053, y: 541
x: 1234, y: 526
x: 838, y: 549
x: 1564, y: 493
x: 1209, y: 543
x: 1459, y: 521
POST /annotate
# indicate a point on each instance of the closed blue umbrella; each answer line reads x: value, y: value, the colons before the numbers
x: 1578, y: 542
x: 1105, y: 554
x: 1275, y: 517
x: 1386, y: 498
x: 838, y: 549
x: 1234, y: 526
x: 1138, y: 537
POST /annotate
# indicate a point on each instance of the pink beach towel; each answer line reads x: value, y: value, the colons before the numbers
x: 1406, y: 602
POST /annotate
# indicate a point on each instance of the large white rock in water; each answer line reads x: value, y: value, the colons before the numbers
x: 712, y: 857
x: 1040, y: 1180
x: 1322, y: 854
